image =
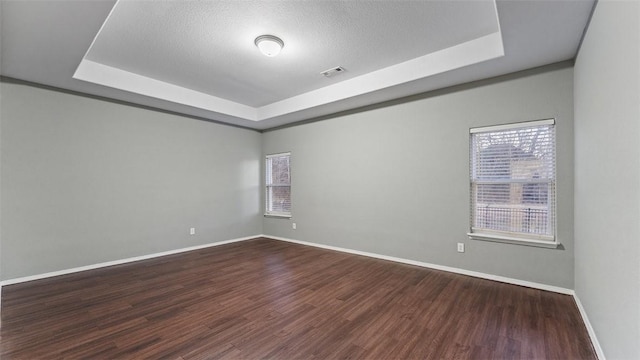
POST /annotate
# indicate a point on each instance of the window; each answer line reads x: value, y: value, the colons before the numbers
x: 278, y: 185
x: 513, y: 183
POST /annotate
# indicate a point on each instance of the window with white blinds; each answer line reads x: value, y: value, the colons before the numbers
x: 513, y: 182
x: 278, y: 185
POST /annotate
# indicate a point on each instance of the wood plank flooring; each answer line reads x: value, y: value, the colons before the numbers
x: 270, y: 299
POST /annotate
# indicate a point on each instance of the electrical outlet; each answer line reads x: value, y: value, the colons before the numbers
x: 460, y: 247
x: 293, y: 226
x: 192, y: 231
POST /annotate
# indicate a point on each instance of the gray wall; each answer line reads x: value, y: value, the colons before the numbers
x: 394, y: 180
x: 86, y: 181
x: 0, y: 148
x: 607, y: 171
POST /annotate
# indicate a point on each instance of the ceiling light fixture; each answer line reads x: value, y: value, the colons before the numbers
x: 269, y: 45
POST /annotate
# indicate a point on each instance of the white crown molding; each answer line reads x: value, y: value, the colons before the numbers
x: 468, y: 53
x: 113, y: 77
x: 464, y: 54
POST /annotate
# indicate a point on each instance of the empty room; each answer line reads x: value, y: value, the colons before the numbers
x: 320, y: 179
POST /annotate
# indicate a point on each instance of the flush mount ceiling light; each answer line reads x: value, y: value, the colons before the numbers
x: 269, y: 45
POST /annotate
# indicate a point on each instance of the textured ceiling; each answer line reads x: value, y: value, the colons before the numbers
x: 209, y: 46
x: 198, y: 58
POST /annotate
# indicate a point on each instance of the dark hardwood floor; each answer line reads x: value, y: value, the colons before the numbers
x: 270, y: 299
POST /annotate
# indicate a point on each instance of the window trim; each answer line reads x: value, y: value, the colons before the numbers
x: 513, y: 240
x: 275, y: 214
x: 508, y: 237
x: 510, y: 126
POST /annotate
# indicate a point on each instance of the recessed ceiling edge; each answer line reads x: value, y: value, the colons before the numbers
x: 464, y: 54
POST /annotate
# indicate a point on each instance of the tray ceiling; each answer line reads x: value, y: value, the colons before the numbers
x: 199, y: 58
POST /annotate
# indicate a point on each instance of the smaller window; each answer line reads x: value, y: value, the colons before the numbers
x: 513, y: 183
x: 278, y: 185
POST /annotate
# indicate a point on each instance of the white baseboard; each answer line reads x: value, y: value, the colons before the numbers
x: 556, y: 289
x: 118, y: 262
x: 587, y: 323
x: 503, y: 279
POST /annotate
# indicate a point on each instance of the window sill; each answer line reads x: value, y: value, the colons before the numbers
x: 514, y: 240
x: 280, y: 216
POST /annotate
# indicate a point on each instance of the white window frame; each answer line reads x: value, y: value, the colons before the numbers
x: 520, y: 238
x: 268, y: 186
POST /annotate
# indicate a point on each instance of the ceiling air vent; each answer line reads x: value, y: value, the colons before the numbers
x: 332, y: 71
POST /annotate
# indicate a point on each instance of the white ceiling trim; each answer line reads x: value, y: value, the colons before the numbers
x: 97, y: 73
x: 44, y: 43
x: 468, y: 53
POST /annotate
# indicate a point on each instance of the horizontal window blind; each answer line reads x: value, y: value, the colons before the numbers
x: 513, y: 179
x: 278, y: 184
